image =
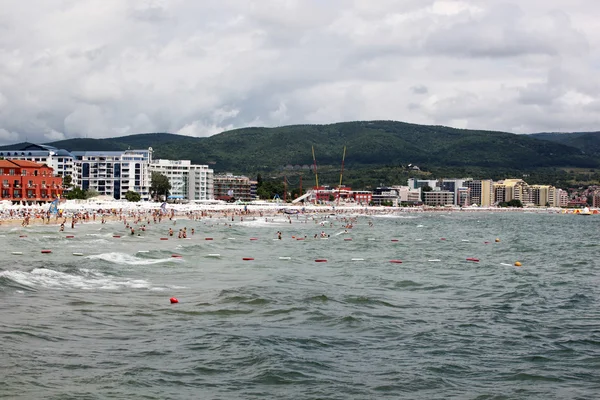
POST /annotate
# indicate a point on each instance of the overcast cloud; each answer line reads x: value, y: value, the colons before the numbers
x: 102, y: 68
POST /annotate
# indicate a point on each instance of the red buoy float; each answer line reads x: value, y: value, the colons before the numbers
x: 247, y: 258
x: 442, y: 238
x: 394, y: 240
x: 22, y: 236
x: 320, y: 260
x: 396, y: 261
x: 208, y: 238
x: 174, y: 300
x: 176, y: 256
x: 117, y: 236
x: 473, y: 259
x: 164, y: 238
x: 70, y: 236
x: 347, y: 239
x: 46, y: 251
x: 299, y: 238
x: 253, y: 238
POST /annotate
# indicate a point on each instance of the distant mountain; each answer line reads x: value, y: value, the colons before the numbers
x: 371, y: 145
x: 587, y: 142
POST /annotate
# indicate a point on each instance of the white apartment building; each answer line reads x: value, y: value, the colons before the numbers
x: 61, y: 161
x: 114, y: 173
x: 188, y: 181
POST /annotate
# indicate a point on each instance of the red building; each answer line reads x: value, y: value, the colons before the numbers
x: 28, y: 181
x: 345, y: 193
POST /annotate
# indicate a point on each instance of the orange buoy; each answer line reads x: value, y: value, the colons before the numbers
x: 174, y: 300
x: 247, y: 258
x: 473, y: 259
x: 46, y: 251
x: 517, y: 263
x: 22, y: 236
x: 320, y: 260
x: 253, y: 238
x: 208, y: 238
x: 117, y: 236
x: 396, y: 261
x: 164, y: 238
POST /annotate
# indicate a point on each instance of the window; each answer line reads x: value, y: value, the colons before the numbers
x: 11, y: 171
x: 35, y: 173
x: 1, y: 171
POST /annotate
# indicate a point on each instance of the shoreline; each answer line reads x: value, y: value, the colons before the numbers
x: 94, y: 212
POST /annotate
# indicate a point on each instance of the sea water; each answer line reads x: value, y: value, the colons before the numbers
x: 435, y: 326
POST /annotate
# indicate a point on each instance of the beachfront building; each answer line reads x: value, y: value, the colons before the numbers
x: 231, y: 187
x: 188, y: 181
x: 510, y: 189
x: 563, y: 197
x: 543, y: 195
x: 27, y: 181
x: 114, y: 173
x: 61, y: 161
x: 480, y: 192
x: 438, y: 198
x: 415, y: 183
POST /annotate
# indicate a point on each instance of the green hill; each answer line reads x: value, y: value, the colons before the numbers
x: 587, y: 142
x: 368, y: 144
x: 377, y: 151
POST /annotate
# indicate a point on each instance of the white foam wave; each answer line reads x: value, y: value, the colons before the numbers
x: 395, y: 216
x: 49, y: 278
x: 122, y: 258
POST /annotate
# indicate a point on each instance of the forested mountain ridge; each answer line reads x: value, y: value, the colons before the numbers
x: 370, y: 146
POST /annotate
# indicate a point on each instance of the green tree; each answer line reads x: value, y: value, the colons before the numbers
x: 159, y: 185
x: 91, y: 193
x: 515, y: 203
x: 268, y: 190
x: 67, y: 182
x: 133, y: 196
x: 74, y: 194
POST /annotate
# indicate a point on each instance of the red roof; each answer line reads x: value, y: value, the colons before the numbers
x: 26, y: 164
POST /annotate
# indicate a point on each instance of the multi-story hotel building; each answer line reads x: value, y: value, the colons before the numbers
x: 230, y: 186
x: 438, y: 198
x: 61, y: 161
x: 510, y: 189
x: 114, y: 173
x: 28, y: 181
x: 188, y: 181
x: 480, y: 192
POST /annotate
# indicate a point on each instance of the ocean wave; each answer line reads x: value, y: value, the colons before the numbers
x: 87, y: 280
x: 123, y: 258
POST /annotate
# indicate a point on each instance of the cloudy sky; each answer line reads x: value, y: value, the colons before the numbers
x: 102, y: 68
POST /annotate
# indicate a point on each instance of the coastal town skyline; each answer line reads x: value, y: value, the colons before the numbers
x: 110, y: 68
